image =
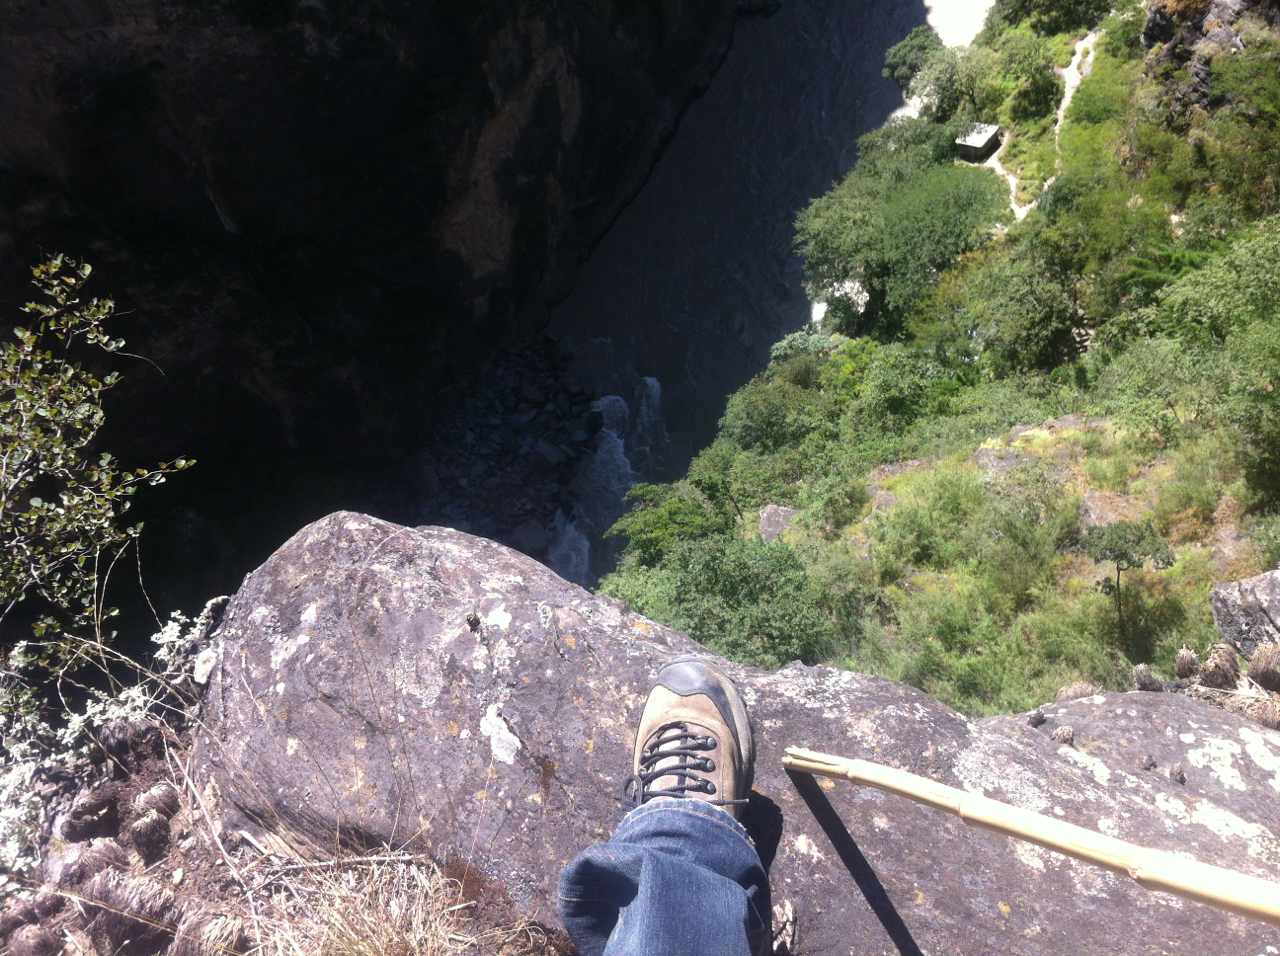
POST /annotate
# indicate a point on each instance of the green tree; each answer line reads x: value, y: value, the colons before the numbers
x: 891, y: 240
x: 904, y: 59
x: 1026, y: 58
x: 1052, y: 16
x: 1128, y: 545
x: 62, y: 500
x: 955, y: 78
x: 662, y: 516
x: 750, y: 600
x: 1022, y: 315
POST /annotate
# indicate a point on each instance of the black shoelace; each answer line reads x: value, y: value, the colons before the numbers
x: 670, y: 740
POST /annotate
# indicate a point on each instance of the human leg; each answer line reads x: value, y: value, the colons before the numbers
x: 680, y: 874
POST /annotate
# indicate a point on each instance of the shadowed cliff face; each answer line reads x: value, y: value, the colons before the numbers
x: 323, y: 220
x: 321, y: 217
x: 697, y: 278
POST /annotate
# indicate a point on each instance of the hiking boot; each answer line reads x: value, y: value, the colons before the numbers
x: 694, y: 740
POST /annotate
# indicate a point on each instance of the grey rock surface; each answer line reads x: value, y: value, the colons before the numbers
x: 1247, y: 612
x: 421, y: 686
x: 774, y: 520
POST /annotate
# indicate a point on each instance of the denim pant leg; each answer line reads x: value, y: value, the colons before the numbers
x: 678, y: 877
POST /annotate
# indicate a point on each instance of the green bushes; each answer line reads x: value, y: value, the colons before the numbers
x: 1201, y: 470
x: 1137, y: 291
x: 750, y: 600
x: 927, y: 527
x: 1238, y: 287
x: 663, y: 516
x: 769, y: 414
x: 888, y: 235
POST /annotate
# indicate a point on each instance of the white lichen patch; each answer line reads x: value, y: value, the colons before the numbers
x: 1255, y: 745
x: 1108, y: 826
x: 1259, y: 841
x: 1100, y: 771
x: 280, y: 653
x: 983, y: 771
x: 806, y: 847
x: 1030, y: 854
x: 204, y: 664
x: 1218, y: 755
x: 309, y: 613
x: 502, y: 742
x: 498, y: 617
x: 1173, y: 809
x: 503, y: 655
x: 1187, y: 738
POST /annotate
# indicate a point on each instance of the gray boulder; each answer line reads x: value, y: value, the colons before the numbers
x: 775, y: 519
x: 423, y: 687
x: 1247, y: 612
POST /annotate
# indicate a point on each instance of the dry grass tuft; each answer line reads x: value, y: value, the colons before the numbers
x: 1186, y: 664
x: 1264, y: 666
x: 1221, y: 668
x: 395, y: 906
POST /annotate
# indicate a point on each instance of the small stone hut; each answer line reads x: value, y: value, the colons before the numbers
x: 980, y: 142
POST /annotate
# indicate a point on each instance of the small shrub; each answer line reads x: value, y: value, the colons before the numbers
x: 926, y: 527
x: 62, y: 500
x: 749, y: 600
x: 807, y: 341
x: 1201, y: 470
x: 835, y: 502
x: 662, y: 516
x: 768, y: 414
x: 1264, y: 531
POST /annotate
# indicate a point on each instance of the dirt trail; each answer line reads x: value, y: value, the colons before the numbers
x: 1079, y: 67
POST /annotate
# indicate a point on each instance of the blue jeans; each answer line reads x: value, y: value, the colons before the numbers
x: 678, y: 877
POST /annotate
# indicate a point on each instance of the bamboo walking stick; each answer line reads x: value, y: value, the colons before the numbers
x: 1154, y: 869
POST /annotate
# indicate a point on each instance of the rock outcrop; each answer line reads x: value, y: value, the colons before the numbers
x: 1247, y: 612
x: 775, y: 520
x: 377, y: 683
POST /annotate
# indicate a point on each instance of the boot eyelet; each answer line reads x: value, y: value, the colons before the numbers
x: 711, y: 787
x: 709, y: 765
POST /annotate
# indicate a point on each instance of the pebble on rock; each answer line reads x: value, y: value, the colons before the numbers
x: 1064, y: 735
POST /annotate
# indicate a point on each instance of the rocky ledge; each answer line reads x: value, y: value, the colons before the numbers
x: 392, y: 684
x: 375, y: 684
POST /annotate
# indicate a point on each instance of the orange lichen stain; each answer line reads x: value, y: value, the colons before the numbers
x: 453, y: 728
x: 570, y: 641
x: 1004, y: 909
x: 919, y: 896
x: 644, y: 627
x: 826, y: 783
x: 481, y: 795
x: 589, y: 746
